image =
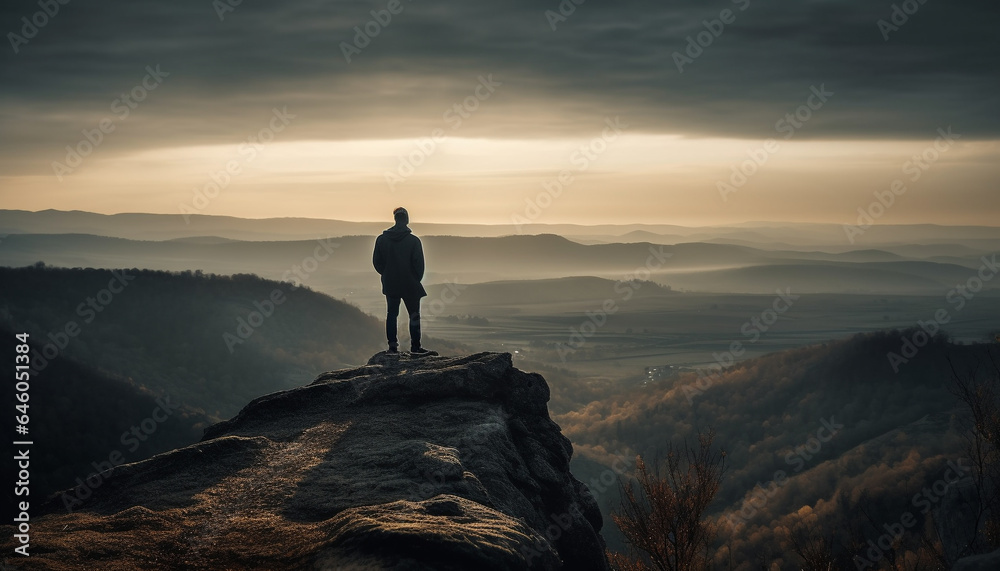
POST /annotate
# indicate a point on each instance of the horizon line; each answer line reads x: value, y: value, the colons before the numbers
x: 494, y: 225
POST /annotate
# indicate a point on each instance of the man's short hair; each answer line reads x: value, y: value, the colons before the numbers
x: 401, y: 215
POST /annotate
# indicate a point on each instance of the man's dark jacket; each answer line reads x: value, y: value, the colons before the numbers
x: 399, y: 258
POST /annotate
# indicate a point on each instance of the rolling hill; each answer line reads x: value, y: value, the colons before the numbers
x: 885, y: 432
x: 209, y: 342
x: 344, y: 263
x: 79, y: 417
x: 765, y: 235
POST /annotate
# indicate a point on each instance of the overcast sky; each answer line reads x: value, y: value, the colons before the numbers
x: 546, y: 85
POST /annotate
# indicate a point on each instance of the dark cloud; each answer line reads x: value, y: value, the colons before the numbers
x: 606, y: 59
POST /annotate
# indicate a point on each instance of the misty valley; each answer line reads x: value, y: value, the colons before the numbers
x: 826, y: 372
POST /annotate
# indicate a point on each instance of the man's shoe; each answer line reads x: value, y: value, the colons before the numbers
x: 393, y: 349
x: 419, y: 351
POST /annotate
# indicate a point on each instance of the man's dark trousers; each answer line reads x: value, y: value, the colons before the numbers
x: 413, y: 308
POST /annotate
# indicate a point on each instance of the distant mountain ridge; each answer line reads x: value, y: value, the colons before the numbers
x: 140, y: 226
x: 695, y: 266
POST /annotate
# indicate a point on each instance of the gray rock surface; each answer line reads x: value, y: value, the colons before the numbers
x: 984, y: 562
x: 404, y: 463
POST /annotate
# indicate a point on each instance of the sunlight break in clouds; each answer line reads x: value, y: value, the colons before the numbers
x: 654, y: 178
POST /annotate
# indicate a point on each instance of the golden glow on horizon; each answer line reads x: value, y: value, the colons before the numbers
x: 634, y: 178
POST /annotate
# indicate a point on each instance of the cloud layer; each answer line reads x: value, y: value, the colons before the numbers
x: 560, y: 76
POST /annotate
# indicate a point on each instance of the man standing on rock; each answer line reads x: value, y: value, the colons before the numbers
x: 399, y: 259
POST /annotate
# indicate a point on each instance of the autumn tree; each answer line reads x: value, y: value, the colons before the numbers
x: 979, y: 390
x: 663, y: 510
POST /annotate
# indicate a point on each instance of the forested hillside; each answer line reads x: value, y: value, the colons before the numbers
x: 209, y: 342
x: 811, y: 435
x: 80, y: 422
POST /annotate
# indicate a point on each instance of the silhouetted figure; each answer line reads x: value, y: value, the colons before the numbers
x: 399, y: 258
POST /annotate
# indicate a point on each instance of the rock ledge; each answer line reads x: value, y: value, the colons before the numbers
x: 404, y: 463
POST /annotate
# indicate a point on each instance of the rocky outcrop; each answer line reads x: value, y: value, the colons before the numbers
x: 984, y: 562
x: 404, y: 463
